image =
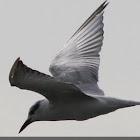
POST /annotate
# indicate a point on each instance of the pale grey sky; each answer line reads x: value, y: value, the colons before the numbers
x: 36, y: 30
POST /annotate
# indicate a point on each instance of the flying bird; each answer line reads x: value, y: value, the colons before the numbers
x: 72, y: 92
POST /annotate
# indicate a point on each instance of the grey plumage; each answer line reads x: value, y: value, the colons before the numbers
x: 72, y: 93
x: 78, y: 63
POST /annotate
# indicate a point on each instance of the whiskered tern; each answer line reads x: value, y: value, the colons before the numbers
x: 72, y: 93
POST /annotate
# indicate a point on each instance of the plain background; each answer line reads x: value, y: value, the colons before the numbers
x: 36, y: 30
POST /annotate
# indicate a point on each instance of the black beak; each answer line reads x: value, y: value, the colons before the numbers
x: 28, y: 121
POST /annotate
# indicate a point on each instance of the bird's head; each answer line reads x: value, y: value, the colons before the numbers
x: 34, y: 114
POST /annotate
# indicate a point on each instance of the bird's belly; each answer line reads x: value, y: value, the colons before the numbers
x: 82, y: 111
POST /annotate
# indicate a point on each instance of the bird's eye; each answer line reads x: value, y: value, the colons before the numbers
x: 31, y: 112
x: 34, y: 108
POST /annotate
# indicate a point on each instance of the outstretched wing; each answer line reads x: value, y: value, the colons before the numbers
x: 25, y: 78
x: 78, y: 63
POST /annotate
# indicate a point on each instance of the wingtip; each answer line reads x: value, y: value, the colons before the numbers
x: 12, y: 71
x: 106, y: 3
x: 101, y: 7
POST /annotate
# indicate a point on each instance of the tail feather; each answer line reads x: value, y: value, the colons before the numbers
x: 119, y: 103
x: 127, y: 103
